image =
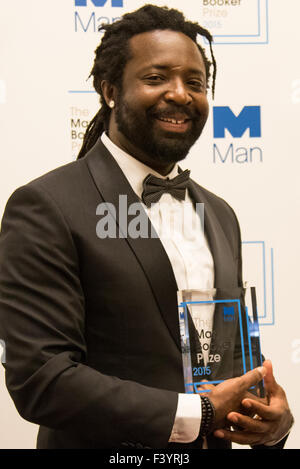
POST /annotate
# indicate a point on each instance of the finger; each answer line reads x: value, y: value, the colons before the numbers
x: 248, y: 409
x: 249, y: 424
x: 269, y: 381
x: 206, y: 385
x: 265, y: 411
x: 254, y: 397
x: 252, y: 377
x: 204, y: 388
x: 242, y: 438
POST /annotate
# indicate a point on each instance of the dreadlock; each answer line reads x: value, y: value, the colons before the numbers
x: 113, y: 53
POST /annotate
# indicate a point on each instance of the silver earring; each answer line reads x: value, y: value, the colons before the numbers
x: 111, y: 104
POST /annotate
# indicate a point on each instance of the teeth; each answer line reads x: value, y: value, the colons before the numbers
x: 172, y: 121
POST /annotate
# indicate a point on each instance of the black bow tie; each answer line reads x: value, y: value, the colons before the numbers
x: 155, y: 187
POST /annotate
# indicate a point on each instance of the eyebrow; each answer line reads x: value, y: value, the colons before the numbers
x: 194, y: 71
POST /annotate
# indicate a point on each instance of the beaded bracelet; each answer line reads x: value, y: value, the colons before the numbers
x: 208, y: 416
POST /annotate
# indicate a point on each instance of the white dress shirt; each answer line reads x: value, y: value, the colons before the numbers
x: 181, y: 233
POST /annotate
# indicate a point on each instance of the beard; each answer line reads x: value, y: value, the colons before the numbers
x: 160, y: 145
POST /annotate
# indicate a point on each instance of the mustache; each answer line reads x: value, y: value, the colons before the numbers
x: 182, y: 111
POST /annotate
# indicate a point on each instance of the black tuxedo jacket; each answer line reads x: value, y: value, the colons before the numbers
x: 91, y: 325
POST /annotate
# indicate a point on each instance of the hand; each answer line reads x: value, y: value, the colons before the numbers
x: 272, y: 420
x: 228, y: 395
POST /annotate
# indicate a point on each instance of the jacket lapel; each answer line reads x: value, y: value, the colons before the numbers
x: 219, y: 245
x: 111, y: 182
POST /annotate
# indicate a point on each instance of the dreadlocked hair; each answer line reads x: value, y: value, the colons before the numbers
x: 113, y: 53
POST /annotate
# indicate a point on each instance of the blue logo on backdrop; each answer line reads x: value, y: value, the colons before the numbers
x: 228, y: 313
x: 99, y: 3
x: 249, y: 119
x: 87, y: 20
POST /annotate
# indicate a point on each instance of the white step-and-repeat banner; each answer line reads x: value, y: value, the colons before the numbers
x: 248, y: 154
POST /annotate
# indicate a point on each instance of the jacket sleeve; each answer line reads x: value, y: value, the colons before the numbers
x: 42, y: 321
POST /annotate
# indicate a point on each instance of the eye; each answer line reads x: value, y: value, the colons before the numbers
x: 198, y: 85
x: 154, y: 79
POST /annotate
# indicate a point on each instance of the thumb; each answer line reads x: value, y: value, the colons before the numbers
x: 269, y: 380
x: 253, y: 377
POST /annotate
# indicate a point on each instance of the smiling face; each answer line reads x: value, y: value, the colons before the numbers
x: 162, y: 107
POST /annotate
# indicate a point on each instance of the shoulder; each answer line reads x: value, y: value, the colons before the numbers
x: 68, y: 182
x: 64, y: 177
x: 55, y: 187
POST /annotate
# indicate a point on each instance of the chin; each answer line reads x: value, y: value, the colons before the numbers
x: 168, y: 156
x: 170, y: 150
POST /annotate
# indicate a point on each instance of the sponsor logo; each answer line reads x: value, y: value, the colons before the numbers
x: 98, y: 3
x: 243, y: 125
x: 236, y: 21
x: 88, y: 19
x: 259, y: 263
x: 228, y: 313
x: 248, y: 118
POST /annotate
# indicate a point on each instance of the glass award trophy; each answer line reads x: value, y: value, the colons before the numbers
x: 219, y: 336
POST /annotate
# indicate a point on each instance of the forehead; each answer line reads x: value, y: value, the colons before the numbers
x: 165, y: 48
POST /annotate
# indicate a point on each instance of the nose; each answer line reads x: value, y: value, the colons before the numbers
x: 177, y: 92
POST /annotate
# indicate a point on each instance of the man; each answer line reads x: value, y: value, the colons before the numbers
x: 90, y: 322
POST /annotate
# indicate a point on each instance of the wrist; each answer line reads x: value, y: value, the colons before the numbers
x: 207, y: 416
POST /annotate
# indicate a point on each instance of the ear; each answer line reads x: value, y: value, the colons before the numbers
x: 109, y: 92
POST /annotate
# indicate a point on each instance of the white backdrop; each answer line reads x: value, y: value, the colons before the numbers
x: 47, y: 51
